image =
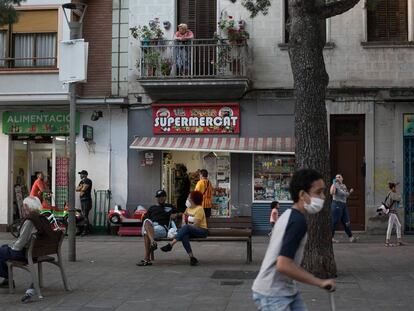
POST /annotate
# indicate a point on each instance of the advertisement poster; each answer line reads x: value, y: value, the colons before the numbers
x: 196, y: 118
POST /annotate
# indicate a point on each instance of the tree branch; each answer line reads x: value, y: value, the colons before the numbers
x: 334, y: 8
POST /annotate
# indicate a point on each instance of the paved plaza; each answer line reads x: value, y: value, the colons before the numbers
x: 105, y: 277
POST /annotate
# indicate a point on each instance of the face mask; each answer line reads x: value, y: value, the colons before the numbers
x: 315, y: 205
x: 188, y: 203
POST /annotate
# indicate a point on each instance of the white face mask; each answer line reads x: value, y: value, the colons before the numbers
x: 188, y: 203
x: 315, y: 205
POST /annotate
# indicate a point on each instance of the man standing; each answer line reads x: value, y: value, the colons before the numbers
x: 155, y: 226
x: 85, y: 188
x: 39, y: 186
x: 205, y: 187
x: 275, y: 287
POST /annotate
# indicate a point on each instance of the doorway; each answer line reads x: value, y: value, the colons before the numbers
x: 347, y: 143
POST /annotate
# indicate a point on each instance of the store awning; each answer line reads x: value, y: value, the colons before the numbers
x: 276, y: 145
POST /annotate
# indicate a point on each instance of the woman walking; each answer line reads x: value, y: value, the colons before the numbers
x: 339, y: 209
x: 392, y: 201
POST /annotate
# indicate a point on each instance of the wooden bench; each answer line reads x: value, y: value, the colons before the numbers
x: 38, y: 252
x: 220, y: 229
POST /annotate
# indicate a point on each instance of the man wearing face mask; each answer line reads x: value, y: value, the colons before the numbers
x: 155, y: 225
x: 275, y: 287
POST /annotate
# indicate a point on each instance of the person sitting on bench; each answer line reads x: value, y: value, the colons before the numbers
x: 195, y: 225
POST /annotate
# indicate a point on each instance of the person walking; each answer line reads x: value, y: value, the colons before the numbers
x: 85, y: 188
x: 194, y: 225
x: 339, y: 209
x: 274, y: 214
x: 392, y: 202
x: 206, y: 189
x: 39, y: 187
x: 183, y: 190
x: 274, y: 287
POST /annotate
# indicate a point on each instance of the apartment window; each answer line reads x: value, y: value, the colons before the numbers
x: 387, y: 20
x: 200, y: 16
x: 33, y: 41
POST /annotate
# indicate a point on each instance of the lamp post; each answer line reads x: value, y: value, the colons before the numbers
x: 75, y: 27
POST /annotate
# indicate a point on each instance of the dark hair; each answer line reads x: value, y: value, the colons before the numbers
x: 196, y: 197
x: 392, y: 185
x: 302, y: 180
x: 274, y: 204
x: 204, y: 173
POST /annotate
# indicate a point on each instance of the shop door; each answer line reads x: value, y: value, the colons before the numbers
x: 347, y: 158
x: 409, y: 184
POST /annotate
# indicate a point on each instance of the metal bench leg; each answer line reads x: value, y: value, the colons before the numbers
x: 40, y: 274
x: 35, y: 280
x: 62, y: 272
x: 249, y: 251
x: 11, y: 280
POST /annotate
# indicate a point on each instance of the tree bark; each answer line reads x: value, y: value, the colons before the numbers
x: 311, y: 132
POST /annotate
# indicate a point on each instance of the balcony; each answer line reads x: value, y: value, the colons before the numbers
x: 202, y: 69
x: 28, y: 63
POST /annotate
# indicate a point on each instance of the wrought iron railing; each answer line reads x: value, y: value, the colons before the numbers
x: 200, y: 58
x: 27, y: 62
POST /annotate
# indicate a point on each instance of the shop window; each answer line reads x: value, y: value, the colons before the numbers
x: 272, y: 175
x: 33, y: 41
x: 387, y: 20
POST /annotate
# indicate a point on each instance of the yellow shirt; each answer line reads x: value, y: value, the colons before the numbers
x: 205, y: 187
x: 198, y: 213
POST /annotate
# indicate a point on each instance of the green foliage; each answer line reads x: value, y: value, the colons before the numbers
x: 8, y: 14
x: 151, y: 32
x: 256, y: 6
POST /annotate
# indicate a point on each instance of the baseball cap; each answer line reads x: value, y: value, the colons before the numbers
x: 160, y: 193
x: 83, y: 172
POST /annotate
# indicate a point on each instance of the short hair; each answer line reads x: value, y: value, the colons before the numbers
x: 204, y: 173
x: 392, y: 185
x: 196, y: 197
x: 32, y: 203
x: 182, y: 25
x: 302, y: 180
x: 274, y: 204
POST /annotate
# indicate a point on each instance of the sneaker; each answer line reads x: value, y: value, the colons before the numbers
x: 193, y: 261
x: 353, y: 239
x: 28, y: 295
x: 167, y: 248
x: 335, y: 240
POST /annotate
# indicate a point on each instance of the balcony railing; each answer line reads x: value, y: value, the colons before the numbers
x: 9, y: 63
x: 200, y: 58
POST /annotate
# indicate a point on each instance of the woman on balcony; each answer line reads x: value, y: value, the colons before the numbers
x: 183, y: 39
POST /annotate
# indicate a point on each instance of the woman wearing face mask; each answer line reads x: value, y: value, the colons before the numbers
x: 194, y: 225
x: 339, y: 209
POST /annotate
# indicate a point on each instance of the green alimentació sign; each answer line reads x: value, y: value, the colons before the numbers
x: 38, y: 123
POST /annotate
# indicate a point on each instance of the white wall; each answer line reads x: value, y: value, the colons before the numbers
x: 4, y: 175
x: 97, y: 163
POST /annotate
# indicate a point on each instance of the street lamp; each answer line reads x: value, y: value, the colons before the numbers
x: 75, y: 27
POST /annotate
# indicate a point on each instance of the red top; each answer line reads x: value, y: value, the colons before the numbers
x: 183, y: 37
x: 38, y: 187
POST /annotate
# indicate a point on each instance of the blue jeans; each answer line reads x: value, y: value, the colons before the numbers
x: 281, y: 303
x: 7, y: 253
x: 339, y: 211
x: 189, y: 231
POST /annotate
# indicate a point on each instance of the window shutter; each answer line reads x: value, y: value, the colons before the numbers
x: 387, y: 20
x: 187, y: 13
x: 200, y: 16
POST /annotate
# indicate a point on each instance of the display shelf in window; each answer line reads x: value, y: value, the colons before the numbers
x: 271, y: 177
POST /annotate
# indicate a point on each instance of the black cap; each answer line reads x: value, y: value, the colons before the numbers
x: 160, y: 193
x: 83, y: 172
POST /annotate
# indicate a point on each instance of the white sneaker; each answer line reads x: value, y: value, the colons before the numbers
x: 335, y: 241
x: 353, y: 239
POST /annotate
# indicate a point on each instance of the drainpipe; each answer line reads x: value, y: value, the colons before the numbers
x: 109, y: 147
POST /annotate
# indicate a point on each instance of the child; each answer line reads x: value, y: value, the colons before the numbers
x: 274, y: 215
x: 392, y: 201
x: 274, y: 287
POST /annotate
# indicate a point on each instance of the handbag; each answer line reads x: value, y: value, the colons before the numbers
x: 383, y: 209
x: 172, y: 230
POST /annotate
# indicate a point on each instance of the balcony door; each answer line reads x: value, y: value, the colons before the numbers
x: 201, y: 18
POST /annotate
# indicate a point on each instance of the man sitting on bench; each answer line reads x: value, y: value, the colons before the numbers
x: 155, y: 226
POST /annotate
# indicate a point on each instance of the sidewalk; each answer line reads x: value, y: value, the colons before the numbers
x: 105, y: 277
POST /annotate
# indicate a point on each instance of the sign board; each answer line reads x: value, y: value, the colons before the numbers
x: 223, y: 118
x: 408, y: 124
x: 38, y: 123
x: 87, y: 132
x: 73, y: 61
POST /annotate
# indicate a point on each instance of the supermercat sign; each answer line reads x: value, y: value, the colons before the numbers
x: 38, y: 123
x: 222, y: 118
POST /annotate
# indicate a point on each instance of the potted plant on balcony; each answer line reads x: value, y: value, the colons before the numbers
x: 152, y: 62
x: 166, y: 66
x: 235, y: 32
x: 151, y: 33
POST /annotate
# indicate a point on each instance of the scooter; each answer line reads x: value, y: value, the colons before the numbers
x: 119, y: 216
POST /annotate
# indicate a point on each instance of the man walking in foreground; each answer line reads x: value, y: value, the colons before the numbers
x: 275, y: 288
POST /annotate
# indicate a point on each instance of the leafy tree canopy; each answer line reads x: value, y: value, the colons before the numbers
x: 8, y: 14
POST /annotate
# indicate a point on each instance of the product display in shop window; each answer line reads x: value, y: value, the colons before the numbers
x: 272, y: 174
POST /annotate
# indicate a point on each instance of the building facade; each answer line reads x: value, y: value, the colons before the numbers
x: 370, y: 62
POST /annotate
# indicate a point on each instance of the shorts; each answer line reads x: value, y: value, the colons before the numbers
x: 159, y: 231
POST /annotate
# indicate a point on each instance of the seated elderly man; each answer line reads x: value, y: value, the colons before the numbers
x: 33, y: 222
x: 156, y: 222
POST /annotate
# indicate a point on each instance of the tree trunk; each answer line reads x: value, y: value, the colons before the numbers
x: 311, y: 131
